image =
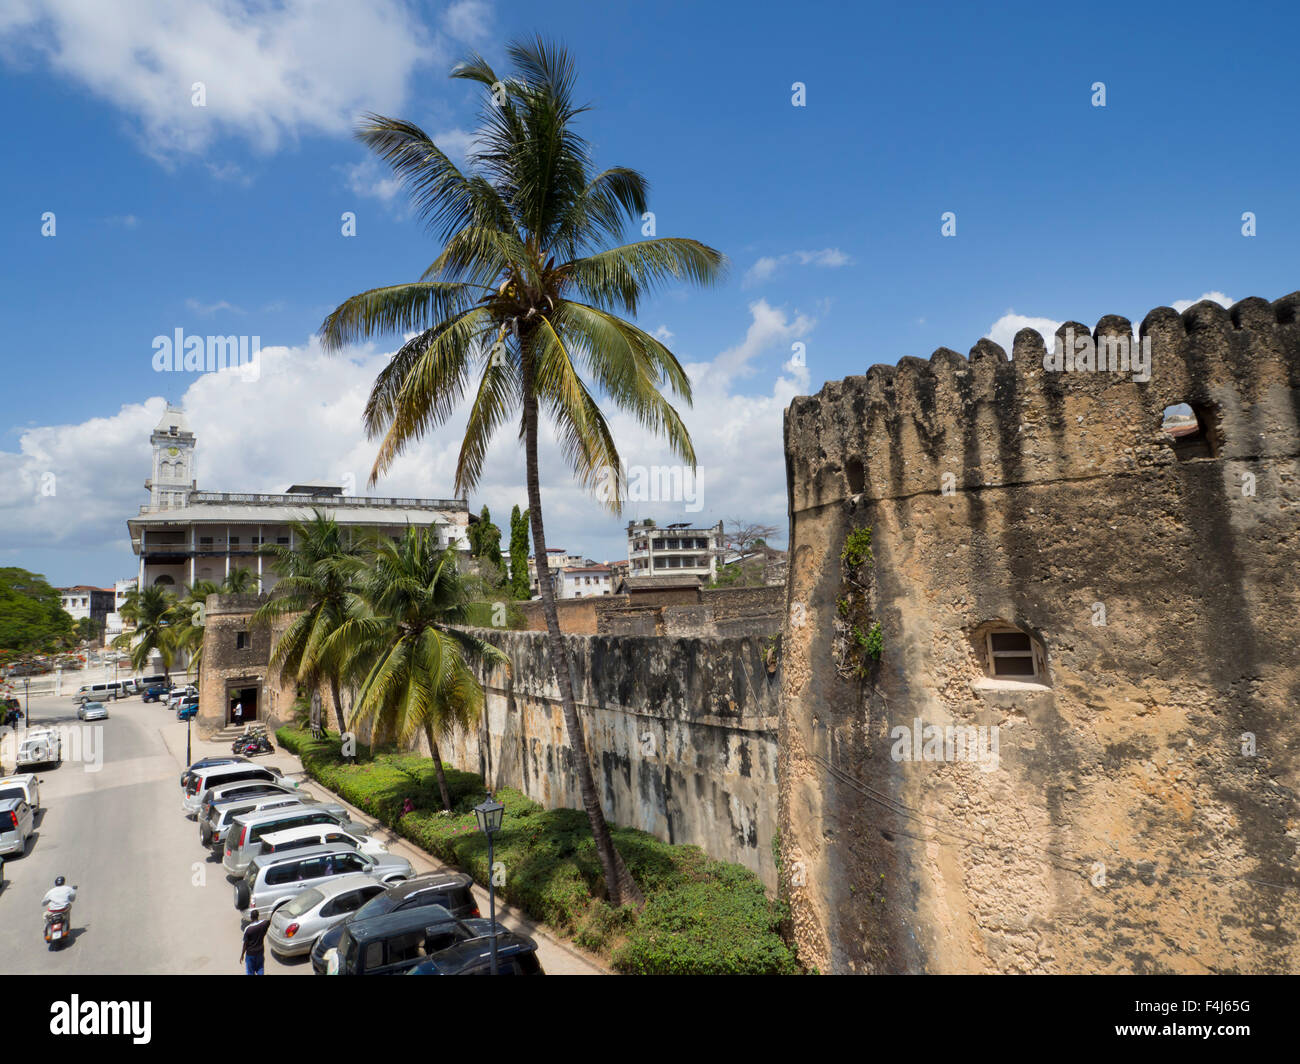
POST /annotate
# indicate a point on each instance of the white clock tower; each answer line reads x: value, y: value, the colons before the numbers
x: 173, y: 462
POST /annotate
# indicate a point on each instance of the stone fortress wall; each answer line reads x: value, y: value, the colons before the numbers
x: 1141, y: 813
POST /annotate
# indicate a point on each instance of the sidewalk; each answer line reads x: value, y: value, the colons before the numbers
x: 558, y: 956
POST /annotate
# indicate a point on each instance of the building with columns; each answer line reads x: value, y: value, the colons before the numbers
x: 184, y: 535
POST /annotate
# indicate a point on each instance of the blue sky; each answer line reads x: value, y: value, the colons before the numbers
x: 226, y: 219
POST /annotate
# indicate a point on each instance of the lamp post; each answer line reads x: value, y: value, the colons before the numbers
x: 27, y: 697
x: 489, y: 815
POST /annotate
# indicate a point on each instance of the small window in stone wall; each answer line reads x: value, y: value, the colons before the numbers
x: 241, y: 641
x: 1011, y: 654
x: 1193, y: 430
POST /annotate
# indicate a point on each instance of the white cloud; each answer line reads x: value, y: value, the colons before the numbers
x: 1181, y: 305
x: 270, y: 71
x: 765, y: 267
x: 301, y: 421
x: 1003, y: 331
x: 211, y: 308
x: 663, y: 334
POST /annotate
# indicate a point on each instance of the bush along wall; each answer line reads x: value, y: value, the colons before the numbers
x: 701, y: 917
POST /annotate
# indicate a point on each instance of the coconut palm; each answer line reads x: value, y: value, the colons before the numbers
x: 190, y: 622
x: 522, y: 304
x: 152, y: 611
x: 316, y: 577
x: 405, y: 644
x: 239, y: 582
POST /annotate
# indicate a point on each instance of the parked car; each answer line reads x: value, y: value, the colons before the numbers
x: 452, y: 890
x: 155, y: 693
x: 220, y: 792
x: 208, y: 762
x: 244, y: 839
x: 27, y: 787
x: 272, y: 880
x: 516, y: 955
x: 214, y: 827
x: 92, y: 711
x: 40, y: 746
x: 303, y: 835
x: 209, y: 777
x: 187, y: 710
x: 299, y: 922
x: 179, y: 694
x: 394, y: 943
x: 16, y: 824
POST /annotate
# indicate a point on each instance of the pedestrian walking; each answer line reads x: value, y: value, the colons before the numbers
x: 253, y: 953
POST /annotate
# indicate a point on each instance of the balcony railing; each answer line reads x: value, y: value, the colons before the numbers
x: 308, y: 501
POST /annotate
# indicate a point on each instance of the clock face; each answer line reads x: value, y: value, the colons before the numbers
x: 173, y: 451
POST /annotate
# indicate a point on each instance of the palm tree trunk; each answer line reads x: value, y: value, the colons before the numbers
x: 619, y: 884
x: 338, y: 705
x: 437, y: 768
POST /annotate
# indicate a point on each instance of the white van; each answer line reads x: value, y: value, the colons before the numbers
x: 98, y: 692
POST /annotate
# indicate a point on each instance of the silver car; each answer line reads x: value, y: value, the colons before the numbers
x: 213, y: 831
x: 92, y: 711
x: 272, y: 879
x: 244, y: 838
x: 217, y: 776
x: 16, y: 824
x: 299, y: 922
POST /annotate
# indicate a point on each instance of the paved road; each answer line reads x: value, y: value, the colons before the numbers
x: 147, y: 901
x: 151, y: 900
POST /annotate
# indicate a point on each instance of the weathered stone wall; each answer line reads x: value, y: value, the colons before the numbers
x: 1127, y: 826
x: 224, y: 664
x: 675, y: 612
x: 681, y: 733
x: 577, y: 616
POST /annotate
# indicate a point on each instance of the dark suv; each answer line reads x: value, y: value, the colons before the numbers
x: 516, y: 955
x: 451, y: 890
x: 396, y: 942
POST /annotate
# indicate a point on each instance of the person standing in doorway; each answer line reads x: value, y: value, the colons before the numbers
x: 239, y: 712
x: 253, y: 953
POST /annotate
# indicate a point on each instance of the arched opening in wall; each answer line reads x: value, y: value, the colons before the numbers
x: 1006, y: 652
x: 164, y: 581
x: 1192, y: 429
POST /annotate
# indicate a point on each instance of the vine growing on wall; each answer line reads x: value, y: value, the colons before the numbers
x: 859, y: 643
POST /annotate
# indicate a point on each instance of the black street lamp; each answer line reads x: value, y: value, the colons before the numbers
x: 490, y: 814
x: 27, y: 697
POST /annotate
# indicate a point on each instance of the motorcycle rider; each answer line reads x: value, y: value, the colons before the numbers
x: 60, y: 896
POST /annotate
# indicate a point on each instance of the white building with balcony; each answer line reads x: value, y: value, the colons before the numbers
x: 673, y: 550
x: 185, y: 535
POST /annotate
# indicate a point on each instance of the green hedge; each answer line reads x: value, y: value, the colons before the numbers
x: 701, y: 916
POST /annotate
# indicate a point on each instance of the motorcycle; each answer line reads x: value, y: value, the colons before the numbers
x: 252, y: 743
x: 58, y: 927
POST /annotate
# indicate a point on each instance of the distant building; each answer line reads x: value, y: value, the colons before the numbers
x: 114, y: 624
x: 582, y: 581
x: 673, y: 550
x: 556, y: 558
x: 185, y: 535
x: 83, y: 601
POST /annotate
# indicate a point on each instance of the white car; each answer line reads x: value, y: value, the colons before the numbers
x: 27, y: 787
x: 40, y: 746
x: 319, y: 835
x: 177, y: 693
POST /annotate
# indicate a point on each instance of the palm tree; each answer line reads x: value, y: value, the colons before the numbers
x: 317, y: 575
x: 405, y: 643
x: 525, y: 298
x: 239, y: 582
x: 190, y: 625
x: 152, y: 610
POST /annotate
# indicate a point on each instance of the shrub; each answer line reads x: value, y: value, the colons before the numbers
x: 701, y: 916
